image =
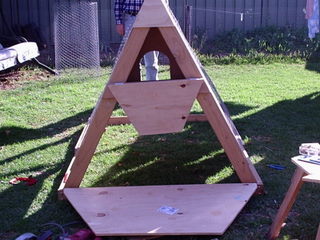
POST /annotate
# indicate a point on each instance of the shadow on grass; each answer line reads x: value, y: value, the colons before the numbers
x: 24, y: 198
x: 181, y: 158
x: 193, y: 156
x: 10, y: 135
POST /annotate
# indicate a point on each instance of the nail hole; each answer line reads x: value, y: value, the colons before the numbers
x: 180, y: 213
x: 103, y: 193
x: 183, y: 117
x: 183, y: 85
x: 101, y: 214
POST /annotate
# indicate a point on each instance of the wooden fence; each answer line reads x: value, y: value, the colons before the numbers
x: 211, y: 16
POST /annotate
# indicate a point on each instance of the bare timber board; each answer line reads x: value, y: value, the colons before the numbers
x: 203, y: 209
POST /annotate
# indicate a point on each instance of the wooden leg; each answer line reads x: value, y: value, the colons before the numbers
x: 318, y: 234
x: 87, y: 144
x: 286, y: 205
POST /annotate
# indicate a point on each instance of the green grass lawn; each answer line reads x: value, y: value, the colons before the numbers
x: 275, y: 107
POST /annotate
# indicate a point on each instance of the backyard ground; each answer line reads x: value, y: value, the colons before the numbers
x: 275, y: 107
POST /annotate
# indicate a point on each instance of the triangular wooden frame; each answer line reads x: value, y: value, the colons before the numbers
x: 138, y: 214
x: 184, y: 67
x: 189, y: 81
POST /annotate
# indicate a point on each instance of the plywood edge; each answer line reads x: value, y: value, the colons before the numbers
x: 308, y: 167
x: 315, y: 178
x: 156, y: 82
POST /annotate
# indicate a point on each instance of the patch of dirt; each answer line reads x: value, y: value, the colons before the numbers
x: 15, y: 78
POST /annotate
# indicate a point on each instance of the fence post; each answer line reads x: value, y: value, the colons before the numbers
x: 188, y: 22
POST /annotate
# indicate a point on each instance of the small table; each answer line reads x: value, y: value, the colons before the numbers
x: 305, y: 172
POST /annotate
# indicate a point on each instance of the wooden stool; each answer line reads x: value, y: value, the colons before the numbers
x: 305, y: 172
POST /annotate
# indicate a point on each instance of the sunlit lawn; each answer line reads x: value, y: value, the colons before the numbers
x: 275, y: 107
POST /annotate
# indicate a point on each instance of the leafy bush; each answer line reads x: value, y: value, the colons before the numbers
x: 263, y: 45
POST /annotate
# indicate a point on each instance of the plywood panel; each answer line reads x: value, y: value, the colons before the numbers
x: 157, y: 107
x: 129, y: 211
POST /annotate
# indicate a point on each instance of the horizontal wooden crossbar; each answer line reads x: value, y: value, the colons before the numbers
x: 119, y: 120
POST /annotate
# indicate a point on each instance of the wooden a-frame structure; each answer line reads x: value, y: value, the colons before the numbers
x: 156, y: 107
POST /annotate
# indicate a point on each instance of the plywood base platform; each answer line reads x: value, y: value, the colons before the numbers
x: 160, y: 210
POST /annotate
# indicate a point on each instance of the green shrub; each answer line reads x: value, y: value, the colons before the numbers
x: 263, y: 45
